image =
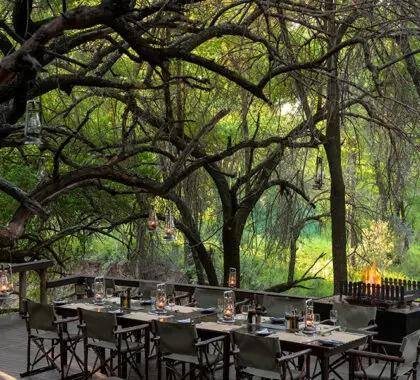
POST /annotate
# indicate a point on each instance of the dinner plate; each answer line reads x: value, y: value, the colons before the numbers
x: 263, y: 332
x: 277, y: 320
x: 207, y: 310
x: 328, y: 342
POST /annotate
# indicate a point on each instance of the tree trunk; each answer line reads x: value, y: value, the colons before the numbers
x: 333, y: 150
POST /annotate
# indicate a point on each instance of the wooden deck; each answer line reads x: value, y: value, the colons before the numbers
x: 13, y: 340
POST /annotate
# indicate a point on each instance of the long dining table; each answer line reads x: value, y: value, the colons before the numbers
x: 323, y: 348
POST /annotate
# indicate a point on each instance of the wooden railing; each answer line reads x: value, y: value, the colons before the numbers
x: 39, y: 266
x: 188, y: 288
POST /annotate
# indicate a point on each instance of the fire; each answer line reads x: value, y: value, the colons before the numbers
x: 370, y: 276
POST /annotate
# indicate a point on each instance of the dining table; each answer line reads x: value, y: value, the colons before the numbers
x: 326, y: 344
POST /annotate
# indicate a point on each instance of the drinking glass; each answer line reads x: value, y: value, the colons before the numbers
x: 342, y: 323
x: 333, y: 316
x: 109, y: 292
x: 153, y: 299
x: 220, y: 309
x: 244, y: 312
x: 171, y: 301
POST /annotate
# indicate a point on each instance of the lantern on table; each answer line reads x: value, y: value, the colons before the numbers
x: 309, y: 317
x: 153, y: 221
x: 232, y: 278
x: 229, y: 306
x: 99, y: 290
x: 160, y: 297
x: 6, y: 283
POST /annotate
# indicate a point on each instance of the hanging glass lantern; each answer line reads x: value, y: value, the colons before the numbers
x: 232, y: 278
x: 169, y: 231
x: 229, y: 306
x: 33, y: 122
x: 6, y: 283
x: 99, y: 290
x: 319, y: 173
x: 153, y: 221
x: 160, y: 298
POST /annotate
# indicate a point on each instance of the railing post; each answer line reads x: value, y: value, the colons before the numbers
x: 22, y: 289
x: 42, y: 286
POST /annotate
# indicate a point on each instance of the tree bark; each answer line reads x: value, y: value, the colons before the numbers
x: 333, y: 150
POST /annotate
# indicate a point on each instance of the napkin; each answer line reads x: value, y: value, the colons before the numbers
x: 263, y: 332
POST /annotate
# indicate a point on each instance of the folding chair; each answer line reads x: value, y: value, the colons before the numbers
x: 278, y: 306
x: 207, y: 297
x: 388, y: 367
x: 178, y: 344
x: 359, y: 319
x: 52, y: 340
x: 114, y: 347
x: 262, y: 357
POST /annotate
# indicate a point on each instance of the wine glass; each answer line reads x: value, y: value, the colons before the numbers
x: 333, y: 316
x: 220, y: 309
x: 171, y: 301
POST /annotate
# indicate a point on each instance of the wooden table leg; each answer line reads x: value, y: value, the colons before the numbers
x: 324, y: 363
x: 226, y: 358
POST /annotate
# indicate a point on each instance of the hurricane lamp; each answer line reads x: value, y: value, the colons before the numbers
x: 160, y: 297
x: 229, y: 306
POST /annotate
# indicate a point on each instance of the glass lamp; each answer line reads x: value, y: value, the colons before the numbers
x: 229, y: 306
x: 160, y: 297
x: 169, y: 231
x: 99, y: 290
x: 33, y: 122
x: 232, y: 278
x: 152, y: 222
x: 319, y: 174
x: 309, y: 316
x: 6, y: 283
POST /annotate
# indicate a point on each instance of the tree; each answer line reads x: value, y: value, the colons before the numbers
x: 137, y: 96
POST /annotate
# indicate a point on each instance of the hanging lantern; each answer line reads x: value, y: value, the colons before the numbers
x: 160, y: 298
x: 232, y: 278
x: 169, y: 231
x: 229, y: 306
x: 319, y: 173
x: 33, y: 122
x: 6, y: 283
x: 153, y: 221
x: 99, y: 290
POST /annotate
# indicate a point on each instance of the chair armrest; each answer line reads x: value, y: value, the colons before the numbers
x: 125, y: 330
x: 293, y: 355
x: 65, y: 320
x: 385, y: 343
x: 363, y: 331
x: 376, y: 355
x: 203, y: 343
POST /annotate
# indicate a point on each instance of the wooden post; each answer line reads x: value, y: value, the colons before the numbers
x: 22, y: 289
x: 42, y: 286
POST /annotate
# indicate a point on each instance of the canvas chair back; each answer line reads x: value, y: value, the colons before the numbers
x: 99, y: 325
x: 257, y: 351
x: 207, y: 297
x: 408, y: 351
x: 41, y: 317
x: 278, y: 306
x: 177, y: 338
x: 146, y: 288
x: 356, y: 316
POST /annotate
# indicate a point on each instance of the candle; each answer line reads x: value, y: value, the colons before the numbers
x: 161, y: 304
x: 3, y: 288
x: 228, y: 313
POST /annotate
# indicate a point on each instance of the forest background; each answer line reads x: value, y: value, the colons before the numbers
x: 284, y: 136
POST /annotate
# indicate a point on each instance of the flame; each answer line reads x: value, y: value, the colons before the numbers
x: 370, y: 276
